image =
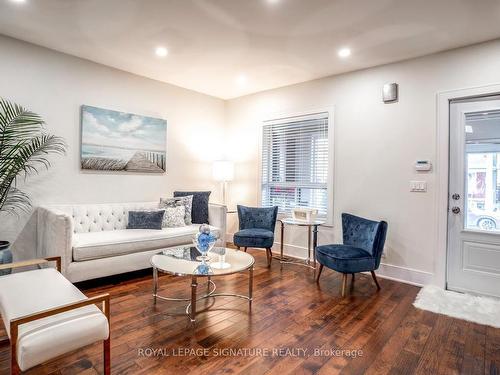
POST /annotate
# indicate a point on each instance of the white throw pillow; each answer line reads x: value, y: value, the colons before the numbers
x: 174, y: 217
x: 186, y: 201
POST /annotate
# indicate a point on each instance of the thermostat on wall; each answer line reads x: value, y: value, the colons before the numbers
x: 423, y: 165
x: 390, y: 93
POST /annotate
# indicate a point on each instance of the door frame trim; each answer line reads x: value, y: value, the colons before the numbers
x: 442, y: 170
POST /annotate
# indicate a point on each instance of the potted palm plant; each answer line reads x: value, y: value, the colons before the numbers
x: 24, y: 148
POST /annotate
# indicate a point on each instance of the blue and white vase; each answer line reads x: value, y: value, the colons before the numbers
x: 5, y: 256
x: 204, y: 242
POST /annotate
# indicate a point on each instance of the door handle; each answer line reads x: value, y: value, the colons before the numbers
x: 455, y: 210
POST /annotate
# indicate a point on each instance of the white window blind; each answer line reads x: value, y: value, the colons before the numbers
x: 295, y: 163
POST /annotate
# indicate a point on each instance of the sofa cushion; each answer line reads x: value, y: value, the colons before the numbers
x: 254, y: 238
x: 29, y: 292
x: 95, y: 245
x: 345, y: 258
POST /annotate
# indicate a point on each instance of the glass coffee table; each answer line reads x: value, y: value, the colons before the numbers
x: 181, y: 261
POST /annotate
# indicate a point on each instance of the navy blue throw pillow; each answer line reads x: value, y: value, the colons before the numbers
x: 199, y: 212
x: 145, y: 219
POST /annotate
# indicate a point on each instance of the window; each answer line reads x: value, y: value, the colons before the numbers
x: 295, y: 159
x: 482, y: 178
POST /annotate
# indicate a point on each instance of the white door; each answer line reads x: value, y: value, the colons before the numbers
x: 473, y: 262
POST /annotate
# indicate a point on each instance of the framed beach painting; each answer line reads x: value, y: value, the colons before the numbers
x: 118, y: 141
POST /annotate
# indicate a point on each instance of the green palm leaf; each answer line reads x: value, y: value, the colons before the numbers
x: 16, y: 200
x: 25, y: 147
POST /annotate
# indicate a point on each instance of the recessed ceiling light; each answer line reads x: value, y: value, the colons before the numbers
x: 241, y: 80
x: 273, y: 1
x: 161, y: 51
x: 18, y: 1
x: 344, y: 52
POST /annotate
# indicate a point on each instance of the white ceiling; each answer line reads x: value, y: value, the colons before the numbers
x: 272, y: 42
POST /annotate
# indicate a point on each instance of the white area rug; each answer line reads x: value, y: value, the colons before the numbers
x: 482, y: 310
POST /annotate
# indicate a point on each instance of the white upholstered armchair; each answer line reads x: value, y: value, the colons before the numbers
x: 46, y: 316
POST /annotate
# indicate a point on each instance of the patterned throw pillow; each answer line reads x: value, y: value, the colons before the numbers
x: 174, y: 217
x: 186, y: 201
x: 199, y: 214
x: 145, y: 219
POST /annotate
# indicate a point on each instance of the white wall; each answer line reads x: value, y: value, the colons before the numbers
x: 376, y: 146
x: 55, y: 85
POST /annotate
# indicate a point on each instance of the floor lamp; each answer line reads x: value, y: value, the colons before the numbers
x: 223, y: 171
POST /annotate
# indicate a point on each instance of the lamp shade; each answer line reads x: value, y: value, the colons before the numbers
x: 223, y: 170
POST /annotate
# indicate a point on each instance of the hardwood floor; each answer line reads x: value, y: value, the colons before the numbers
x: 290, y: 311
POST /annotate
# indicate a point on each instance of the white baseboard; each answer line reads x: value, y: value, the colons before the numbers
x: 387, y: 271
x: 404, y: 274
x: 293, y: 251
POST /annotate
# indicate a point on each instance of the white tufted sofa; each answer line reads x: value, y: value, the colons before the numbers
x: 93, y: 241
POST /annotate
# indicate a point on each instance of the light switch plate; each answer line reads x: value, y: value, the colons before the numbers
x: 418, y: 186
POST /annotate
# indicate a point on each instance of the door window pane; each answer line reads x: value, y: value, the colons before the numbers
x: 482, y: 177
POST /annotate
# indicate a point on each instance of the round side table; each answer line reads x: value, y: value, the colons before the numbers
x: 312, y: 231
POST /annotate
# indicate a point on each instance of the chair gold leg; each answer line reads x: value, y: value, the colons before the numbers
x: 107, y: 343
x: 319, y: 272
x: 14, y: 367
x: 107, y: 356
x: 245, y: 249
x: 15, y: 370
x: 375, y: 279
x: 269, y: 255
x: 344, y: 283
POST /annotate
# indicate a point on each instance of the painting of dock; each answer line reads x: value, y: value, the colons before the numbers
x: 118, y: 141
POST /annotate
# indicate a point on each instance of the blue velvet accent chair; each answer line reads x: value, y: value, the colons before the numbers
x: 256, y: 228
x: 361, y: 251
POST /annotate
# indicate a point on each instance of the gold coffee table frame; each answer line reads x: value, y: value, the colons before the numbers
x: 239, y: 260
